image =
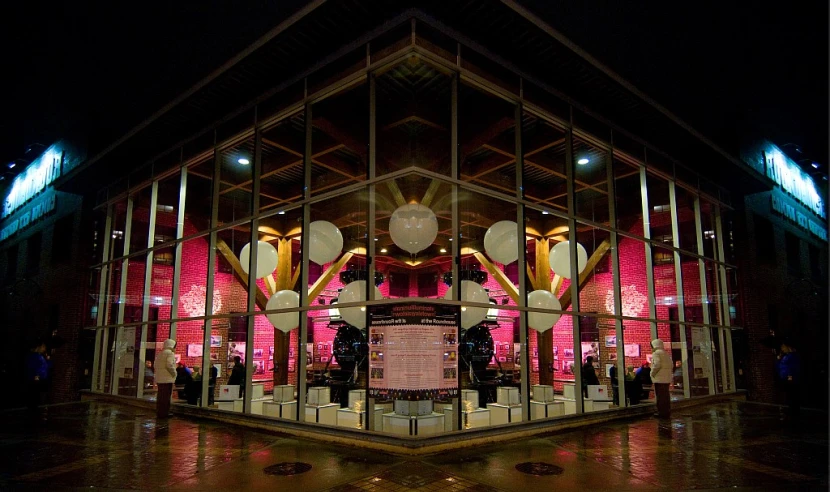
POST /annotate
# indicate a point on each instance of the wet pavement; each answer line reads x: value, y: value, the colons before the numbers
x: 725, y: 445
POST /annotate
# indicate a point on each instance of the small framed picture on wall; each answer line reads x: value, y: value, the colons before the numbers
x: 194, y: 350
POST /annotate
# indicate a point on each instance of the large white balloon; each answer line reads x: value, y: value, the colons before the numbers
x: 560, y: 258
x: 266, y: 258
x: 355, y: 292
x: 284, y: 299
x: 413, y: 227
x: 471, y: 292
x: 542, y: 299
x: 501, y: 242
x: 325, y: 242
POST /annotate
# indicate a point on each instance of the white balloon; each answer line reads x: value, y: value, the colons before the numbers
x: 325, y: 242
x: 501, y: 242
x: 266, y: 258
x: 413, y: 227
x: 471, y: 292
x: 284, y: 299
x: 560, y: 258
x: 355, y: 292
x: 542, y: 299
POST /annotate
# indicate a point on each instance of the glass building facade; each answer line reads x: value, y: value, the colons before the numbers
x: 535, y: 233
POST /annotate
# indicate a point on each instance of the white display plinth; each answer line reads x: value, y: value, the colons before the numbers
x: 284, y: 393
x: 347, y: 417
x: 601, y: 405
x: 542, y: 392
x: 416, y: 425
x: 256, y: 405
x: 570, y: 405
x: 257, y: 390
x: 356, y: 396
x: 480, y: 417
x: 413, y: 407
x: 507, y: 396
x: 322, y: 414
x: 569, y: 390
x: 228, y: 392
x: 319, y: 395
x: 470, y: 396
x: 281, y: 410
x: 598, y: 392
x: 546, y: 409
x: 504, y: 414
x: 230, y: 405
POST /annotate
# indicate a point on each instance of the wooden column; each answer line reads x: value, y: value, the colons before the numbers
x: 284, y: 281
x: 544, y: 340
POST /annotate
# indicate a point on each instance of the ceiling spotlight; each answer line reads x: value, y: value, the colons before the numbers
x: 443, y: 250
x: 11, y: 165
x: 383, y: 250
x: 243, y: 161
x: 376, y: 239
x: 582, y: 161
x: 545, y: 212
x: 281, y: 212
x: 815, y: 165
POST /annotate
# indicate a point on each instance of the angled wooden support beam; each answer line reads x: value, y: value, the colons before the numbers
x: 238, y: 272
x: 396, y: 193
x: 283, y: 264
x: 429, y: 195
x: 542, y: 264
x: 326, y: 277
x: 587, y: 273
x: 531, y: 277
x: 270, y: 284
x: 500, y: 277
x: 556, y: 284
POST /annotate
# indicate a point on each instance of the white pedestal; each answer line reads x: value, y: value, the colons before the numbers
x: 413, y: 407
x: 230, y: 405
x: 470, y: 396
x: 480, y: 417
x: 546, y: 409
x: 256, y: 405
x: 284, y: 393
x: 542, y: 392
x: 281, y: 410
x: 598, y: 392
x: 356, y: 396
x: 347, y: 417
x: 228, y: 392
x: 569, y: 390
x: 319, y: 395
x: 416, y: 425
x: 257, y: 391
x: 504, y: 414
x: 322, y: 414
x: 601, y: 405
x: 507, y: 396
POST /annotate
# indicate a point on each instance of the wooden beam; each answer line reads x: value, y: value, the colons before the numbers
x: 542, y: 264
x: 295, y: 278
x: 499, y: 276
x: 238, y: 272
x: 531, y: 277
x: 587, y: 273
x: 283, y: 264
x: 430, y: 193
x: 396, y: 193
x: 326, y: 277
x: 556, y: 284
x: 485, y: 136
x: 270, y: 284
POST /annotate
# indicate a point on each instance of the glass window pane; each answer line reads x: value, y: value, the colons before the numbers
x: 198, y: 196
x: 413, y: 118
x: 627, y: 189
x: 659, y: 212
x: 487, y: 143
x: 544, y: 179
x: 590, y: 181
x: 686, y: 227
x: 340, y: 140
x: 282, y: 178
x: 236, y: 176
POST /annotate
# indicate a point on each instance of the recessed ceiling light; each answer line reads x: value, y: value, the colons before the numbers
x: 815, y: 165
x: 376, y: 239
x: 545, y: 212
x: 11, y: 165
x: 243, y: 161
x: 443, y: 250
x: 383, y: 250
x: 281, y: 212
x: 584, y: 160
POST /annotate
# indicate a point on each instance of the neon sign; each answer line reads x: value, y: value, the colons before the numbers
x: 31, y: 182
x: 793, y: 180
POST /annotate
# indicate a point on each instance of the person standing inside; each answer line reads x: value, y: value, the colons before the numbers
x: 165, y: 377
x: 788, y: 369
x: 238, y: 375
x: 615, y: 384
x: 589, y: 375
x: 37, y: 372
x: 661, y: 377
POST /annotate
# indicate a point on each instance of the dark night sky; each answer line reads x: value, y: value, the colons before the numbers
x: 727, y: 68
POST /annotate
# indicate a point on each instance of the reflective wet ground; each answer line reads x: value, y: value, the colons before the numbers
x: 727, y: 445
